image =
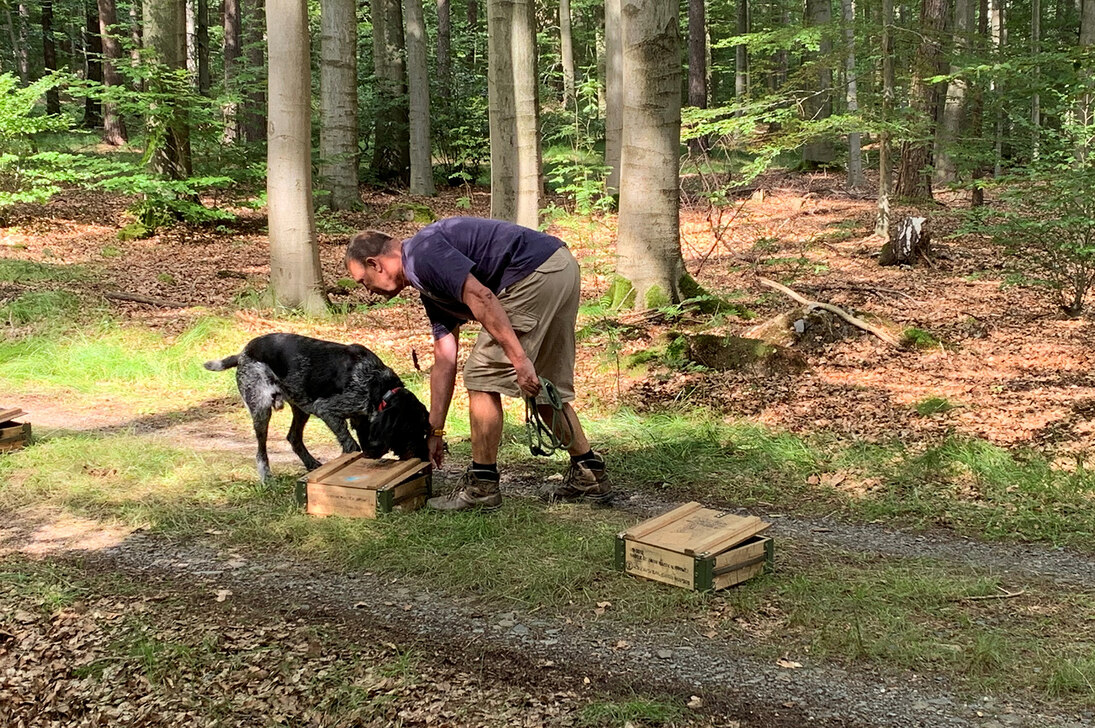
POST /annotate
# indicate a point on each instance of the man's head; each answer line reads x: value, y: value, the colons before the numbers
x: 374, y: 259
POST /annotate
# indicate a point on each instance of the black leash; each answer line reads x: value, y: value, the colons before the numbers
x: 542, y: 439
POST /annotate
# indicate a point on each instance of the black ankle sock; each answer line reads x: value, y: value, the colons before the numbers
x: 484, y: 469
x: 587, y: 457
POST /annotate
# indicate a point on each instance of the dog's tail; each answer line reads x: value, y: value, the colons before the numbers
x: 219, y: 365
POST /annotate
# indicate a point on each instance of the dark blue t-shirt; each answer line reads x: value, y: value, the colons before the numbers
x: 437, y: 260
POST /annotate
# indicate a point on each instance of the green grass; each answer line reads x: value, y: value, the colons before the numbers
x: 933, y: 406
x: 918, y: 338
x: 641, y: 711
x: 37, y: 306
x: 26, y: 271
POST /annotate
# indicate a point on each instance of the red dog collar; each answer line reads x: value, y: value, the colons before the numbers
x: 384, y: 400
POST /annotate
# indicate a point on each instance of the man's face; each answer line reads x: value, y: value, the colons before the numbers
x: 379, y: 275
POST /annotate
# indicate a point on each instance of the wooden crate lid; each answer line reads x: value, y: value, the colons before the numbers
x: 696, y: 531
x: 10, y: 413
x: 356, y: 471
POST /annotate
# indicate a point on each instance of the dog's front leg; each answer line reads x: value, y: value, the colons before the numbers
x: 296, y: 438
x: 261, y: 419
x: 342, y: 432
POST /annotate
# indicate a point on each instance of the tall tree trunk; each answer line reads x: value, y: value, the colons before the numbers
x: 136, y: 38
x: 338, y: 153
x: 741, y: 53
x: 1036, y: 49
x: 49, y: 56
x: 999, y: 41
x: 855, y: 153
x: 444, y: 47
x: 22, y: 49
x: 614, y: 93
x: 233, y: 41
x: 882, y: 224
x: 295, y: 277
x: 197, y: 43
x: 473, y: 30
x: 165, y: 36
x: 254, y: 23
x: 93, y: 65
x: 914, y: 179
x: 649, y: 266
x: 977, y: 107
x: 513, y: 105
x: 418, y: 85
x: 946, y: 137
x: 820, y: 151
x: 1085, y: 107
x: 566, y: 53
x: 114, y: 131
x: 697, y: 54
x: 391, y: 149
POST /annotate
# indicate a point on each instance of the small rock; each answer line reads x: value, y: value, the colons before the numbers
x: 665, y: 654
x: 520, y: 629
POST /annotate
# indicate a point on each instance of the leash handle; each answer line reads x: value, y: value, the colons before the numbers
x: 542, y: 439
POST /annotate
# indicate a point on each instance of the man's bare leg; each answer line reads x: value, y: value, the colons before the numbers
x: 485, y: 412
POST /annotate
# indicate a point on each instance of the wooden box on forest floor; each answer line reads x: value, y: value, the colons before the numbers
x: 357, y: 486
x: 14, y: 435
x: 696, y: 548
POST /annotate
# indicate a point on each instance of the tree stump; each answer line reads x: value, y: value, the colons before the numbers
x: 737, y: 353
x: 911, y: 241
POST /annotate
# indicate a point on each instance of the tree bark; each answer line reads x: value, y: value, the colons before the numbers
x: 391, y: 149
x: 648, y: 254
x: 819, y: 105
x: 473, y: 27
x: 114, y: 131
x: 855, y: 152
x: 165, y: 36
x: 22, y: 54
x: 202, y: 39
x: 93, y: 65
x: 1036, y: 48
x: 444, y: 47
x: 614, y: 93
x: 999, y: 35
x: 49, y: 56
x: 418, y: 84
x: 295, y: 278
x: 513, y: 105
x: 954, y: 107
x: 566, y: 53
x: 697, y: 54
x: 1085, y: 106
x: 254, y: 118
x: 338, y: 154
x: 233, y: 41
x: 882, y: 223
x: 977, y: 105
x: 914, y: 177
x: 741, y: 52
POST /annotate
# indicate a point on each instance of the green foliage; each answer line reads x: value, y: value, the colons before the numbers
x: 918, y: 338
x: 38, y: 306
x: 642, y: 711
x: 933, y: 406
x: 19, y: 123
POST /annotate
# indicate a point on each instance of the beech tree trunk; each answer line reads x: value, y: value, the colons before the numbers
x: 820, y: 151
x: 741, y: 52
x: 649, y: 266
x: 977, y: 103
x: 114, y: 131
x: 444, y: 47
x: 513, y: 105
x: 914, y: 178
x: 882, y: 224
x: 165, y: 36
x: 566, y: 53
x: 254, y: 24
x: 22, y: 54
x: 391, y: 149
x: 233, y: 41
x: 295, y: 278
x: 614, y: 93
x: 197, y: 43
x: 49, y: 56
x: 855, y: 152
x: 93, y: 65
x: 954, y: 107
x: 473, y: 26
x: 418, y: 83
x: 697, y: 54
x: 338, y: 152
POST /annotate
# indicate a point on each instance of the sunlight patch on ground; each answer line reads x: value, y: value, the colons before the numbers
x: 41, y: 532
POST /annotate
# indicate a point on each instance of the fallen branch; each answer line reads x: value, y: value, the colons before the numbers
x: 811, y: 305
x: 865, y: 289
x: 148, y: 300
x: 1005, y: 595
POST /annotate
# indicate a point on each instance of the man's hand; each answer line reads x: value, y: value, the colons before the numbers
x: 437, y: 450
x: 527, y: 379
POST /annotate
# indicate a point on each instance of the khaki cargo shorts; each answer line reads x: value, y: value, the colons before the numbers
x: 542, y: 307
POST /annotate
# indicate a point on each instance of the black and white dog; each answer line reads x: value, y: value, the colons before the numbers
x: 336, y: 383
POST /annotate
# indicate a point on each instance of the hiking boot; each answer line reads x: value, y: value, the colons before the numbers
x: 476, y: 491
x: 584, y: 481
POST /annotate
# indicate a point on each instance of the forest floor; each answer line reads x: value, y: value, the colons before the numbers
x: 130, y: 594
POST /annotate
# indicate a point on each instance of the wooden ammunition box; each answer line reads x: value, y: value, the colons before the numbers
x: 356, y: 486
x: 696, y: 548
x: 14, y: 435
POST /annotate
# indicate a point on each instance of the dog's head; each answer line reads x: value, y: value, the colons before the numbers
x: 400, y: 423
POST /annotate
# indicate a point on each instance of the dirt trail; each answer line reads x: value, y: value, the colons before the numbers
x: 532, y: 648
